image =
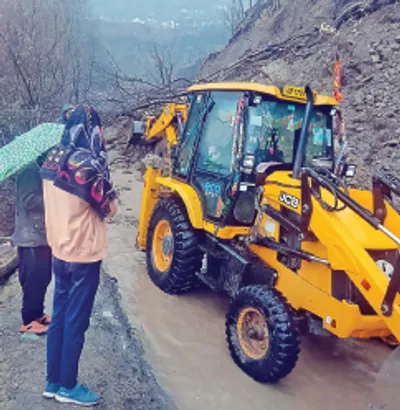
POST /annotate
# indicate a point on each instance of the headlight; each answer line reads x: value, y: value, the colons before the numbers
x: 350, y: 170
x: 386, y: 267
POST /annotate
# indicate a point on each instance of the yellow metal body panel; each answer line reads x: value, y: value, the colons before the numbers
x: 155, y: 187
x: 319, y: 275
x: 262, y: 89
x: 150, y: 197
x: 226, y: 232
x: 365, y: 199
x: 340, y: 318
x: 366, y: 235
x: 189, y: 197
x: 194, y: 209
x: 344, y: 239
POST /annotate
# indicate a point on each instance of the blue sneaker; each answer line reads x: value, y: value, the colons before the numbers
x: 51, y: 390
x: 80, y: 395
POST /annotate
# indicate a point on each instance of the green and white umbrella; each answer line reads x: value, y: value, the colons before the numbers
x: 28, y: 147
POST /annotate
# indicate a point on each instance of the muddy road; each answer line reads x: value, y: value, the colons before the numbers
x: 186, y: 346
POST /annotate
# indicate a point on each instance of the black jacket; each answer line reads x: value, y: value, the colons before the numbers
x: 30, y: 230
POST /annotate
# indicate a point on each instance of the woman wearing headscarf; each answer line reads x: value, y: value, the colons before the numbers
x: 78, y: 197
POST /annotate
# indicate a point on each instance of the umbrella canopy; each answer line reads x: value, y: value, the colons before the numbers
x: 28, y: 147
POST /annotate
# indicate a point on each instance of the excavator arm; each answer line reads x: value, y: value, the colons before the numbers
x: 168, y: 126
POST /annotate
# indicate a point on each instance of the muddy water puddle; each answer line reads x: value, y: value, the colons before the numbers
x: 185, y: 343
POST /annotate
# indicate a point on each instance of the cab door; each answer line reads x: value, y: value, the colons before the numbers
x: 213, y: 175
x: 200, y: 107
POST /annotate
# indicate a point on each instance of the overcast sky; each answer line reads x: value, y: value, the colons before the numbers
x: 141, y: 8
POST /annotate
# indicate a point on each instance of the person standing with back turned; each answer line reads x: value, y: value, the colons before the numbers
x: 78, y: 196
x: 34, y: 254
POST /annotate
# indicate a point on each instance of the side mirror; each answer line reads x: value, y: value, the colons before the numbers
x: 349, y: 170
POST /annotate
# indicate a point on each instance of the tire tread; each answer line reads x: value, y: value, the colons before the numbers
x: 284, y: 347
x: 187, y: 258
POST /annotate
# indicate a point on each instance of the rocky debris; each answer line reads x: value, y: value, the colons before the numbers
x: 288, y: 47
x: 154, y: 161
x: 130, y: 155
x: 392, y: 143
x: 117, y: 133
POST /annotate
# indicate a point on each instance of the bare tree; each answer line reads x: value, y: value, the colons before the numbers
x: 234, y: 13
x: 164, y: 68
x: 50, y: 55
x: 47, y: 52
x: 157, y: 84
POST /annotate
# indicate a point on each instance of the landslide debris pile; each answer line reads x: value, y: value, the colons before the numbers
x: 123, y: 152
x: 295, y: 41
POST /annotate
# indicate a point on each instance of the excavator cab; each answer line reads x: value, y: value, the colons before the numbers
x: 230, y: 133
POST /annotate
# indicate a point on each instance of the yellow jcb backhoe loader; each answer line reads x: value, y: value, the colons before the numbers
x: 253, y: 208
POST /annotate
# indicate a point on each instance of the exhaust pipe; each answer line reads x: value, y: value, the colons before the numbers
x: 301, y: 146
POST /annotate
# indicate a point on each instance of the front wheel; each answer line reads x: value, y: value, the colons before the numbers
x: 261, y: 333
x: 173, y: 255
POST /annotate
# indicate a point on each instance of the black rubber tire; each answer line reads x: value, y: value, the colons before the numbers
x: 284, y: 342
x: 187, y: 257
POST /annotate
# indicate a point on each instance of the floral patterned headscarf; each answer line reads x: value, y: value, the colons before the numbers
x: 79, y: 165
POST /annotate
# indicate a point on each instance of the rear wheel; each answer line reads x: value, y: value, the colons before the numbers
x: 262, y: 336
x: 172, y: 254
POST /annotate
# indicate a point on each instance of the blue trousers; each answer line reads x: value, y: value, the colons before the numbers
x: 75, y: 289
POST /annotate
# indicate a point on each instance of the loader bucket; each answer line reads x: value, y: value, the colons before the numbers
x: 138, y: 131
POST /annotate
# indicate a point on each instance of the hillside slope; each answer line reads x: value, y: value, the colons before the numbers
x: 284, y: 41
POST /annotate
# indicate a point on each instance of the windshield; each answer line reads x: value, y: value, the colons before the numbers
x: 273, y: 131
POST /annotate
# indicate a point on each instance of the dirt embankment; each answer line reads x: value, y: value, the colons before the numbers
x: 294, y: 41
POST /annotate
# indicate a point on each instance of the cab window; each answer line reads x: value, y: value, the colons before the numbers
x: 216, y: 145
x: 274, y: 128
x: 189, y: 136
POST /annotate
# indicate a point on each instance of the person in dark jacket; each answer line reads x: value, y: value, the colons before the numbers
x: 34, y: 254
